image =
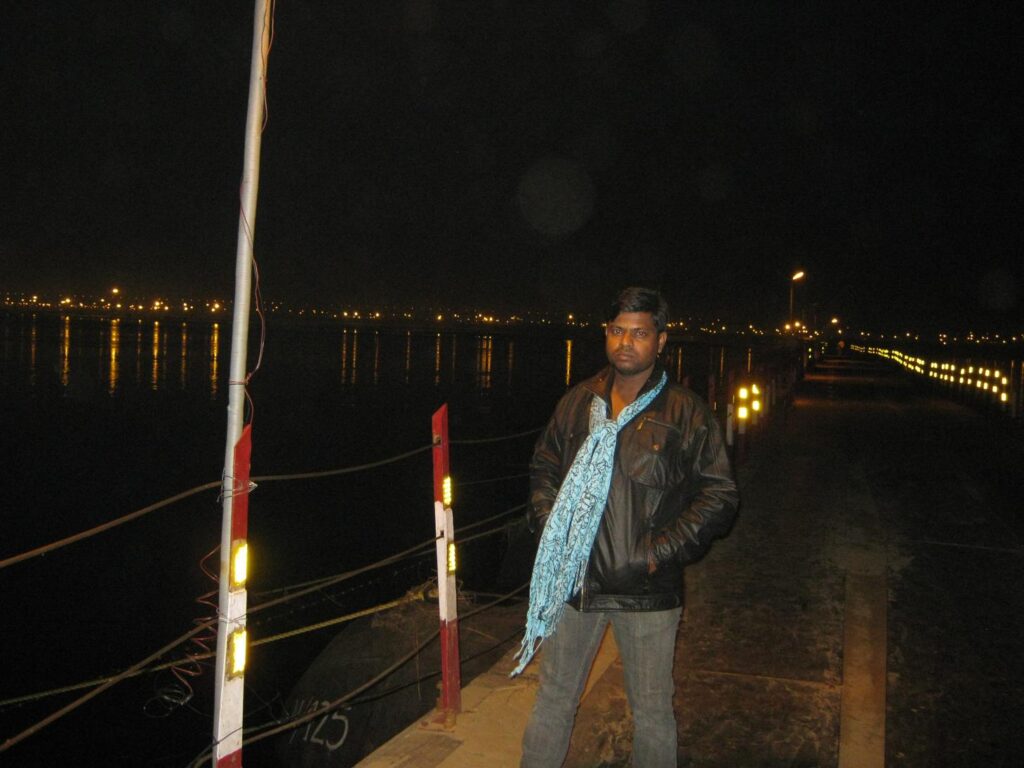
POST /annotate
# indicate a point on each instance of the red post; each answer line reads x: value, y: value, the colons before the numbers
x: 450, y: 702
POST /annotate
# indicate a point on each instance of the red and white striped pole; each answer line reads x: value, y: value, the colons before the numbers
x: 229, y: 685
x: 232, y: 636
x: 450, y: 702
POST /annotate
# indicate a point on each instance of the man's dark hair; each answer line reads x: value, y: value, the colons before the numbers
x: 638, y: 299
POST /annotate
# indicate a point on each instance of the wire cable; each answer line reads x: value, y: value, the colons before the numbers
x: 486, y: 481
x: 107, y: 525
x: 482, y: 440
x: 427, y: 547
x: 32, y: 729
x: 137, y: 670
x: 342, y: 470
x: 297, y: 721
x: 82, y: 535
x: 408, y: 598
x: 88, y: 533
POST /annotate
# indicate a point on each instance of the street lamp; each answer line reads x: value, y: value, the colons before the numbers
x: 792, y: 282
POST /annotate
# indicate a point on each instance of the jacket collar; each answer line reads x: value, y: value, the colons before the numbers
x: 601, y: 382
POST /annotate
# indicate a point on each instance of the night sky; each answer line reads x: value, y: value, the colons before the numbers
x: 527, y: 155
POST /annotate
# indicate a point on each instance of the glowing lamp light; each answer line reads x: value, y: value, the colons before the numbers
x: 743, y: 393
x: 446, y: 491
x: 452, y: 562
x: 239, y: 563
x: 756, y: 405
x: 743, y: 412
x: 1002, y: 397
x: 755, y: 389
x: 236, y: 652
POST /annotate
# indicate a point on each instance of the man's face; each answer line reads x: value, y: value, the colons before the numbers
x: 633, y: 343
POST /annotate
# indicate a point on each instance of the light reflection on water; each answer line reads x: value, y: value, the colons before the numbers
x: 484, y: 352
x: 155, y: 376
x: 355, y: 357
x: 115, y: 348
x: 437, y: 360
x: 408, y: 354
x: 511, y: 360
x: 376, y: 358
x: 32, y: 354
x: 65, y: 351
x: 183, y: 369
x: 59, y: 349
x: 214, y: 349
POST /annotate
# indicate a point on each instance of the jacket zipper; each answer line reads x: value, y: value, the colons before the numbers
x: 659, y: 423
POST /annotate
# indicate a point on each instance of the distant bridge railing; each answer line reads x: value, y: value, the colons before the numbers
x: 989, y: 384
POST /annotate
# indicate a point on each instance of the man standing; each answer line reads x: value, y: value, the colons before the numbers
x: 630, y: 482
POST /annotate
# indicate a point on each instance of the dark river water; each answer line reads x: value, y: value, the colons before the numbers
x: 100, y: 417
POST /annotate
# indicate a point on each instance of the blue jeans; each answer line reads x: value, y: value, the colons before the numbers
x: 646, y: 642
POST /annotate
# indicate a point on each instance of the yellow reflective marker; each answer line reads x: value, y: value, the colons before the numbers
x: 446, y: 491
x: 451, y: 557
x: 239, y: 562
x: 236, y: 658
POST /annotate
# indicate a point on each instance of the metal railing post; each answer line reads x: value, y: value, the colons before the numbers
x: 450, y: 701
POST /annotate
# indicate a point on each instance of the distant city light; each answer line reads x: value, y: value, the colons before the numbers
x: 105, y: 303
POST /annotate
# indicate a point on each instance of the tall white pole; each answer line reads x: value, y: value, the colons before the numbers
x: 231, y: 638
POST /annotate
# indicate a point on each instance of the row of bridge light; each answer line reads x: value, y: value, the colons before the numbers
x: 989, y: 380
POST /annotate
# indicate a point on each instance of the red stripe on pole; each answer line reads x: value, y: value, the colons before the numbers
x: 439, y: 429
x: 451, y: 677
x: 234, y: 760
x: 240, y: 486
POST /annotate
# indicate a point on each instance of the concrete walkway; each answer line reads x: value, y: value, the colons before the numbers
x: 487, y: 733
x: 865, y: 611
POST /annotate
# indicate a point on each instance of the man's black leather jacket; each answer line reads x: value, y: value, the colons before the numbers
x: 672, y: 493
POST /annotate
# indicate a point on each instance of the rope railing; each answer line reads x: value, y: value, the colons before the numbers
x: 141, y: 668
x: 28, y: 697
x: 426, y: 547
x: 111, y: 524
x: 292, y: 592
x: 259, y: 733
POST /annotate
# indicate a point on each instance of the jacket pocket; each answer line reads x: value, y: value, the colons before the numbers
x: 650, y: 468
x: 653, y: 443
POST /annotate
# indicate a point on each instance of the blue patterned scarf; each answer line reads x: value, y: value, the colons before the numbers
x: 571, y: 528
